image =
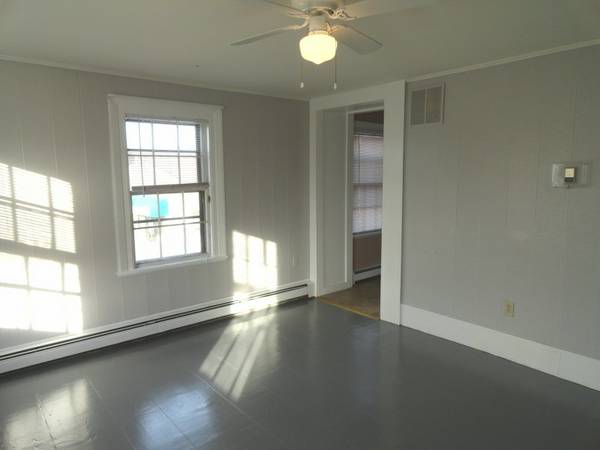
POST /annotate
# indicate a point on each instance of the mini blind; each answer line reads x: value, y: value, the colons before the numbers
x: 367, y: 183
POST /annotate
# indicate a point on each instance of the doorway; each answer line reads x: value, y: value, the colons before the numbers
x: 365, y: 158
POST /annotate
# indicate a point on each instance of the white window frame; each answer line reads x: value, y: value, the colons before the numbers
x: 121, y: 107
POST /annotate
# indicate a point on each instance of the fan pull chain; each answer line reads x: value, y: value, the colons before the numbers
x: 335, y: 73
x: 301, y: 73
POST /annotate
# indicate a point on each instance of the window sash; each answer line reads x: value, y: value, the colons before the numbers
x: 152, y: 159
x: 182, y: 221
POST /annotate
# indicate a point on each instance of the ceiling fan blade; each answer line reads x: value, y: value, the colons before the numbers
x: 367, y: 8
x: 267, y: 34
x: 356, y: 40
x: 291, y: 7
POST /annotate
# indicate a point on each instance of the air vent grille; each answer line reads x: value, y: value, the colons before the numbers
x: 427, y: 105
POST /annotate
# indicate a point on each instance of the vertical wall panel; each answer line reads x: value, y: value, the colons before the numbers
x: 54, y: 122
x: 483, y: 224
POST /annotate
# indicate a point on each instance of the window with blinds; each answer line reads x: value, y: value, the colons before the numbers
x: 168, y: 188
x: 367, y: 183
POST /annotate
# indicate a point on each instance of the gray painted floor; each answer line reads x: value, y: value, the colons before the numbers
x: 303, y: 376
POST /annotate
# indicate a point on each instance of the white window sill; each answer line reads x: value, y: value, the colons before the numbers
x: 171, y: 265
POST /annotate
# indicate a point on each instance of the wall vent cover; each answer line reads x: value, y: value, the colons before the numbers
x: 427, y: 105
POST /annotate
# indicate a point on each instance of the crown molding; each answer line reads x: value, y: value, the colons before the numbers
x: 508, y: 60
x: 117, y: 73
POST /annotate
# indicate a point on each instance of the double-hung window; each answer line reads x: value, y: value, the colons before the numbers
x: 167, y: 164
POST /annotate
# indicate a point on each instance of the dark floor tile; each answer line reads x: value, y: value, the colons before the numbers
x: 302, y: 376
x: 251, y: 438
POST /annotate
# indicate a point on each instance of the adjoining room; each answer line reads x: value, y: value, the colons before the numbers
x: 366, y: 194
x: 300, y: 224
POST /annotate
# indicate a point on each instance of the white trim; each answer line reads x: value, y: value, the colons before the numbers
x: 172, y: 265
x: 119, y: 107
x: 390, y: 97
x: 560, y: 363
x: 508, y: 60
x: 257, y: 300
x: 117, y: 73
x: 367, y: 273
x: 349, y: 250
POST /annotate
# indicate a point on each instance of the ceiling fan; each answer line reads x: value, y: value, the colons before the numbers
x: 328, y: 23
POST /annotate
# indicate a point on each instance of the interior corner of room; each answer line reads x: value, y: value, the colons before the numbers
x: 219, y: 217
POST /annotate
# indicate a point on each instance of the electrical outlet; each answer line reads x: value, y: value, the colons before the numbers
x: 509, y: 308
x: 294, y: 261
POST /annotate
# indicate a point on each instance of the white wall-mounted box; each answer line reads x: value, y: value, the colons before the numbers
x: 570, y: 174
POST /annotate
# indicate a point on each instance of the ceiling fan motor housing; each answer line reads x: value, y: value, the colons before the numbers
x: 318, y: 23
x: 307, y: 5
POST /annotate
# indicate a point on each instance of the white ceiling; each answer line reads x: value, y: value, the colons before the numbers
x: 166, y: 39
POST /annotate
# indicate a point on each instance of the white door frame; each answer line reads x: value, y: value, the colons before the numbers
x: 392, y: 97
x: 350, y: 117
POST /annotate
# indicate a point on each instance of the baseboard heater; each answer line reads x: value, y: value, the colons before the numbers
x: 106, y: 337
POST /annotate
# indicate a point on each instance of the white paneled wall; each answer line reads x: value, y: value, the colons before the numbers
x: 483, y: 224
x: 54, y: 125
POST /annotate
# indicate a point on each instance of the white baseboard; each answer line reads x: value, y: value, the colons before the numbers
x: 369, y: 273
x: 560, y: 363
x: 15, y: 358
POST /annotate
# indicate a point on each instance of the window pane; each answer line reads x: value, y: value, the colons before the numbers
x: 132, y: 132
x: 172, y: 238
x: 171, y: 205
x: 189, y: 169
x: 138, y: 175
x: 192, y: 236
x: 167, y: 170
x: 187, y: 137
x: 146, y: 136
x: 147, y: 244
x: 165, y: 136
x: 144, y: 207
x: 191, y: 202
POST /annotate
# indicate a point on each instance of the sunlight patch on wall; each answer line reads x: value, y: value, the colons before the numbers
x: 36, y: 210
x: 39, y: 294
x: 254, y: 261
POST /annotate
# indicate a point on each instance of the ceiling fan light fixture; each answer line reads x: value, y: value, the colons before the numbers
x: 318, y: 47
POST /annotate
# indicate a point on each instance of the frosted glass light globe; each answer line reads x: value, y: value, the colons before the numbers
x: 318, y: 47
